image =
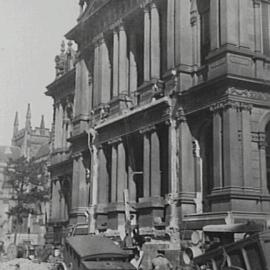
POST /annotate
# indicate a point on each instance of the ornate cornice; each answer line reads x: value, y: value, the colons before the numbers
x: 77, y: 155
x: 230, y: 104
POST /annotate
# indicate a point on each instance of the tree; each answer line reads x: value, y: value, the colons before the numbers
x: 28, y: 181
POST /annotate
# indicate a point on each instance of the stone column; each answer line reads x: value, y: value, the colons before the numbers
x: 84, y: 88
x: 262, y: 157
x: 54, y: 202
x: 133, y: 73
x: 115, y: 63
x: 60, y: 131
x: 183, y: 33
x: 105, y: 72
x: 246, y: 146
x: 83, y: 185
x: 229, y: 19
x: 244, y: 8
x: 80, y: 189
x: 258, y: 25
x: 123, y: 67
x: 231, y: 157
x: 56, y: 126
x: 121, y: 171
x: 155, y: 164
x: 155, y: 42
x: 96, y: 77
x: 214, y: 24
x: 146, y: 164
x: 170, y: 33
x: 75, y: 184
x: 103, y: 177
x: 147, y: 43
x: 217, y: 148
x: 195, y: 28
x: 114, y: 174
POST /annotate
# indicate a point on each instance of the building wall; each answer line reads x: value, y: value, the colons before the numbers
x: 171, y: 102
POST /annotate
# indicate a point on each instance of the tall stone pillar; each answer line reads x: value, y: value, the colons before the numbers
x: 244, y: 8
x: 214, y: 24
x: 229, y: 19
x: 55, y: 200
x: 257, y: 25
x: 146, y: 164
x: 115, y: 63
x: 103, y: 177
x: 133, y: 73
x: 231, y: 157
x: 96, y: 92
x: 123, y: 61
x: 147, y: 42
x: 246, y: 146
x: 155, y: 165
x: 217, y: 148
x: 84, y: 95
x: 171, y: 33
x: 195, y: 28
x: 183, y: 33
x: 80, y: 190
x: 121, y: 171
x: 155, y: 42
x: 262, y: 157
x: 105, y: 72
x: 114, y: 173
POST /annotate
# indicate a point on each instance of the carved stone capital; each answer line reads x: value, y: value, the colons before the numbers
x: 115, y: 141
x: 147, y: 130
x: 180, y: 116
x: 261, y: 140
x: 77, y: 155
x: 257, y: 3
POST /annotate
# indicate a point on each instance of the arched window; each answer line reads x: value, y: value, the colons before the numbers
x: 267, y: 152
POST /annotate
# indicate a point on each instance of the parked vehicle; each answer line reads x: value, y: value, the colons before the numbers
x: 85, y: 252
x: 250, y: 253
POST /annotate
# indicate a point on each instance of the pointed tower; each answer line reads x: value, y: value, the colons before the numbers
x: 42, y: 125
x: 15, y: 128
x: 28, y: 118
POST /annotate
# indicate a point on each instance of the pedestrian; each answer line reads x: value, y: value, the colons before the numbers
x: 17, y: 266
x: 136, y: 261
x: 160, y: 262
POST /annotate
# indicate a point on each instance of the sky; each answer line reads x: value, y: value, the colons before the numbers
x: 31, y: 32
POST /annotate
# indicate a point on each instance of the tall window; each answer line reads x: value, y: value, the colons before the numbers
x: 204, y: 11
x: 267, y: 152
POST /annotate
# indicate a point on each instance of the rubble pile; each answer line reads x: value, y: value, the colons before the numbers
x: 24, y: 264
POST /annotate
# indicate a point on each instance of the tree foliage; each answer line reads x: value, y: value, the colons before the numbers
x: 28, y: 181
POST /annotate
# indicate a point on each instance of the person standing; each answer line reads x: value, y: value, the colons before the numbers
x: 160, y: 262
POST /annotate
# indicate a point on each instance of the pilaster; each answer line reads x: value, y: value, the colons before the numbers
x: 115, y: 62
x: 147, y: 42
x: 155, y: 42
x: 123, y: 67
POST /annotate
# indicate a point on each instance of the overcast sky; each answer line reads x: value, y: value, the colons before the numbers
x: 31, y: 32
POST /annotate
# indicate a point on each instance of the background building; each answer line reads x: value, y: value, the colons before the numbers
x: 171, y: 117
x: 31, y: 143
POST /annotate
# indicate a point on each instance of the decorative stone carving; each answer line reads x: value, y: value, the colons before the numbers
x: 248, y: 94
x: 148, y: 129
x: 227, y: 104
x: 180, y: 115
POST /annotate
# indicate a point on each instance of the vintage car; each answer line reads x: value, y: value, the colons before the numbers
x: 85, y: 252
x: 250, y: 253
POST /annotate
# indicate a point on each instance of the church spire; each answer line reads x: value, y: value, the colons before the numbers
x: 16, y: 124
x: 28, y: 118
x: 42, y: 125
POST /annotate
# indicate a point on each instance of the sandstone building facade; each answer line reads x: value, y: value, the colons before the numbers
x: 165, y: 116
